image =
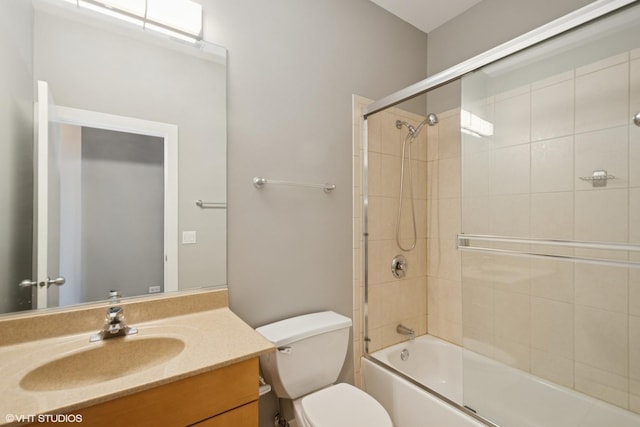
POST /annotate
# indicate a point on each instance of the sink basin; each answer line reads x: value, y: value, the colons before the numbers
x: 102, y: 361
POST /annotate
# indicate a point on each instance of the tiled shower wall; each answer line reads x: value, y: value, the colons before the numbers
x: 575, y: 324
x: 391, y: 301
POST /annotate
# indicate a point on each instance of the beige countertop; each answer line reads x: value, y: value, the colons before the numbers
x: 212, y: 339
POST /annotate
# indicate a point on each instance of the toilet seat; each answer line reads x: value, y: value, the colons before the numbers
x: 343, y: 405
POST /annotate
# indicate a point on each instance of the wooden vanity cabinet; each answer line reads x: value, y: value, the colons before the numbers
x: 224, y: 397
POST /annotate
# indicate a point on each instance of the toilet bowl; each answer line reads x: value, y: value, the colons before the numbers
x: 310, y: 352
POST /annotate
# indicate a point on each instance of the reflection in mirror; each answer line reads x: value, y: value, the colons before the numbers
x: 97, y: 65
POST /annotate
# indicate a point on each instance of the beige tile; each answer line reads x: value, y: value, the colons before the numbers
x: 601, y: 215
x: 602, y: 99
x: 634, y: 70
x: 420, y: 176
x: 513, y: 317
x: 449, y: 137
x: 477, y: 304
x: 432, y: 143
x: 604, y: 63
x: 552, y: 367
x: 552, y: 111
x: 479, y: 340
x: 432, y: 180
x: 476, y: 215
x: 390, y: 175
x: 449, y: 178
x: 601, y: 339
x: 511, y: 170
x: 433, y: 218
x: 602, y: 286
x: 374, y: 174
x: 634, y: 291
x: 473, y: 113
x: 449, y: 266
x: 445, y: 300
x: 450, y: 219
x: 374, y: 132
x: 602, y: 385
x: 552, y: 215
x: 511, y: 93
x: 634, y: 215
x: 634, y: 155
x: 552, y: 279
x: 375, y: 217
x: 634, y: 54
x: 392, y: 137
x: 512, y: 120
x: 552, y: 165
x: 357, y: 171
x: 513, y: 353
x: 606, y: 149
x: 634, y: 348
x: 446, y: 330
x: 508, y: 274
x: 433, y: 257
x: 552, y: 327
x: 422, y: 217
x: 558, y: 78
x: 510, y: 215
x: 476, y: 179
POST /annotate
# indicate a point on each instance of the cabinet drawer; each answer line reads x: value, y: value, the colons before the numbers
x: 244, y: 416
x: 181, y: 402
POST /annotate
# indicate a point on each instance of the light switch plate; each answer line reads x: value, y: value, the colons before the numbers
x: 189, y: 237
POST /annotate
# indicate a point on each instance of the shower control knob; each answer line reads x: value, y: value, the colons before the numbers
x: 399, y: 266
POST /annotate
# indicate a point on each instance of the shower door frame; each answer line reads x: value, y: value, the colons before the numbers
x: 564, y: 24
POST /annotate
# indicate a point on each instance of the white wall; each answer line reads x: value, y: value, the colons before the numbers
x: 16, y: 152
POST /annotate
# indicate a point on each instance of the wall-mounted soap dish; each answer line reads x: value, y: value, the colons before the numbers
x: 599, y: 178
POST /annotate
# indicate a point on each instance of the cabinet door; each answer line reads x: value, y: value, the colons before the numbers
x: 244, y: 416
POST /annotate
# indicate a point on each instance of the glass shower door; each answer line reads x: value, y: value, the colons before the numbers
x: 551, y: 231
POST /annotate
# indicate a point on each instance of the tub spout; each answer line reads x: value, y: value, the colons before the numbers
x: 403, y: 330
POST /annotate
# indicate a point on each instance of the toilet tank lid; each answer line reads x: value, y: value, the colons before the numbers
x: 298, y: 328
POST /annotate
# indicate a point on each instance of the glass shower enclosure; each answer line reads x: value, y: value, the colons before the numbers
x: 546, y: 225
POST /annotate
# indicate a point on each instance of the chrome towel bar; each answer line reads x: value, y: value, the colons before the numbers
x: 464, y: 240
x: 210, y: 205
x: 260, y: 182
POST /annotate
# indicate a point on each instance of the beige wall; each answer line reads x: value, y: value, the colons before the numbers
x: 392, y: 301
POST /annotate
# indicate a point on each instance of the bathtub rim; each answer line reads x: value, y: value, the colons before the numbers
x: 429, y: 390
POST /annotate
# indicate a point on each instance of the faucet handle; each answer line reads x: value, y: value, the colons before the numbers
x: 115, y: 315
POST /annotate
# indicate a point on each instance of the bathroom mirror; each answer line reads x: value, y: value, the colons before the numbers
x: 97, y: 69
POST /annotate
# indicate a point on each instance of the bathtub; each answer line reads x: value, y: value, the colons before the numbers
x: 506, y: 396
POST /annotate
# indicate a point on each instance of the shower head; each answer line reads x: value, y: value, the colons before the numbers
x: 400, y: 123
x: 431, y: 120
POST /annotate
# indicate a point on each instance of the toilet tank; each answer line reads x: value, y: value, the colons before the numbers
x: 310, y: 352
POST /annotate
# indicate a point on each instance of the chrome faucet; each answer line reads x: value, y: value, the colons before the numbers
x: 403, y: 330
x: 114, y: 326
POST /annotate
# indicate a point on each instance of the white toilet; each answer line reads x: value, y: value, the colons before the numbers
x: 310, y: 352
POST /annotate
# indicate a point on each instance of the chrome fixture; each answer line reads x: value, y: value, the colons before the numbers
x: 464, y: 244
x: 431, y: 120
x: 598, y: 178
x: 114, y: 326
x: 210, y: 205
x: 403, y: 330
x: 636, y: 119
x: 399, y: 266
x: 28, y: 283
x: 260, y: 182
x: 404, y: 354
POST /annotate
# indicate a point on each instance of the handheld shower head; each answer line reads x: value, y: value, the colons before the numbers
x: 431, y: 120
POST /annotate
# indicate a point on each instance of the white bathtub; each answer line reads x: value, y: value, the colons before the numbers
x: 506, y: 396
